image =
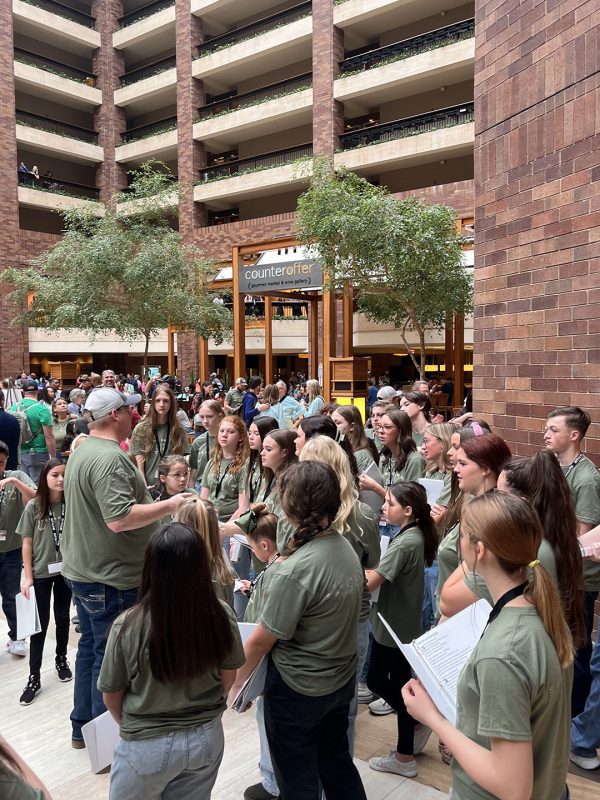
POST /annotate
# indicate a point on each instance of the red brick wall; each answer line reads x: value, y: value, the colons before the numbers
x: 328, y: 51
x: 537, y: 165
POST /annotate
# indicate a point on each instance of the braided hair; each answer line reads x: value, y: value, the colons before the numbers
x: 309, y: 491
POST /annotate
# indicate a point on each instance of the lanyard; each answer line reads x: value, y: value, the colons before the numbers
x: 272, y: 483
x: 207, y: 447
x: 57, y: 534
x: 254, y: 581
x: 253, y: 485
x: 162, y: 453
x: 220, y: 479
x: 572, y: 465
x: 516, y: 591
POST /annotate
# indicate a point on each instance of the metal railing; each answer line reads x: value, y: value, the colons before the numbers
x: 409, y: 47
x: 278, y: 158
x: 55, y: 67
x: 54, y: 126
x: 139, y: 74
x: 409, y: 126
x: 144, y: 12
x: 246, y: 99
x: 48, y: 183
x: 64, y: 11
x: 255, y: 28
x: 151, y: 129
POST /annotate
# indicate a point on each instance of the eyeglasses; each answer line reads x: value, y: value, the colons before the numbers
x: 387, y: 428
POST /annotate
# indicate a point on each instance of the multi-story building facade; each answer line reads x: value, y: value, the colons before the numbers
x: 229, y: 95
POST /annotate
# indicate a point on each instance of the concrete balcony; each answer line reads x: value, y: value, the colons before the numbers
x: 373, y: 17
x: 56, y: 24
x: 57, y: 199
x: 162, y: 146
x: 150, y: 29
x: 43, y: 135
x: 264, y: 46
x: 272, y: 109
x: 148, y: 94
x: 228, y: 12
x: 443, y: 134
x: 40, y: 77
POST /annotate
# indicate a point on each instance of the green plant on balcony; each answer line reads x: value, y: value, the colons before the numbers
x: 159, y: 132
x: 64, y: 192
x: 250, y: 102
x: 232, y: 43
x: 39, y: 126
x: 250, y: 169
x: 87, y: 80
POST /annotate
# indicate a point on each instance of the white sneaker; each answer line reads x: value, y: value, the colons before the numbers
x: 365, y: 695
x: 389, y: 763
x: 421, y: 737
x: 17, y: 647
x: 380, y: 708
x: 585, y: 762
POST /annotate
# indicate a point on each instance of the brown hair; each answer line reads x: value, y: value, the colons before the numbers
x: 201, y: 516
x: 177, y: 436
x: 357, y: 437
x: 309, y: 491
x: 266, y: 524
x: 401, y: 421
x: 510, y: 528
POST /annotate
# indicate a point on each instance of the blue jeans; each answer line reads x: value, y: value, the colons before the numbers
x: 362, y: 648
x: 308, y: 739
x: 585, y: 728
x: 32, y: 463
x: 10, y: 586
x: 265, y: 764
x: 177, y: 766
x: 582, y: 680
x: 428, y: 615
x: 98, y: 605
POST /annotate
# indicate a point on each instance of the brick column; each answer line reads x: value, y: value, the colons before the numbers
x: 109, y: 121
x: 191, y: 156
x: 14, y: 342
x: 328, y: 51
x: 537, y: 171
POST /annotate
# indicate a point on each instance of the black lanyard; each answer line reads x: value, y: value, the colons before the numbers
x: 57, y: 534
x: 254, y: 485
x: 162, y: 453
x: 207, y: 447
x: 572, y: 465
x: 255, y: 580
x: 516, y: 591
x: 220, y: 479
x: 272, y: 483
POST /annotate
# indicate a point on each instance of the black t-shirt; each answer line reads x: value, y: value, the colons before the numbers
x: 10, y: 433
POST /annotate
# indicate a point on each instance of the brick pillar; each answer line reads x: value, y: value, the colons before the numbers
x: 14, y: 344
x: 328, y: 51
x: 191, y: 156
x: 537, y: 171
x: 109, y: 121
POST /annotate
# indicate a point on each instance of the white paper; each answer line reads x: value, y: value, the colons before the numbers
x: 439, y: 656
x: 368, y: 496
x: 246, y: 629
x: 253, y: 688
x: 433, y: 488
x: 101, y: 736
x: 384, y: 544
x: 55, y: 567
x: 28, y: 619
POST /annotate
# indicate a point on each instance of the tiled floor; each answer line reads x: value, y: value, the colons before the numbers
x: 41, y: 734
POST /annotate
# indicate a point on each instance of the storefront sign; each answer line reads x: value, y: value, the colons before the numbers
x: 306, y: 273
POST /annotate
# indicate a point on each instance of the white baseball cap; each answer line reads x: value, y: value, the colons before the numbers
x: 102, y: 401
x: 386, y: 393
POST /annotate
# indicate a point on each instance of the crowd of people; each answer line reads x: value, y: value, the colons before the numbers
x: 166, y: 522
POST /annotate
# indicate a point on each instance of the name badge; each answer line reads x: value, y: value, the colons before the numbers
x: 2, y: 536
x: 54, y: 567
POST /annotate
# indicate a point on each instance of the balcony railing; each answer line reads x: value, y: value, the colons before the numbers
x: 54, y: 126
x: 48, y: 183
x: 151, y: 129
x: 408, y: 47
x: 55, y: 67
x: 139, y: 74
x: 64, y: 11
x: 277, y: 158
x: 144, y: 12
x: 254, y: 29
x: 255, y: 97
x: 409, y: 126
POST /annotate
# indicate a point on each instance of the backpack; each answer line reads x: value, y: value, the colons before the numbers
x: 21, y: 416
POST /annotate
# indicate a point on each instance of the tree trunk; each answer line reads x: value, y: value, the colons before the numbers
x: 422, y: 351
x: 408, y: 349
x: 146, y: 348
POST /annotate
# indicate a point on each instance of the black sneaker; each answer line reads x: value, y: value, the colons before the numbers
x: 64, y: 671
x: 33, y: 688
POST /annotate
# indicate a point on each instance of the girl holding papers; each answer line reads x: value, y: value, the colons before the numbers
x: 41, y: 527
x: 512, y: 734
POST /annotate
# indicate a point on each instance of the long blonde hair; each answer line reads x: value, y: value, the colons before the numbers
x: 510, y: 528
x: 442, y: 431
x: 242, y: 453
x: 201, y: 516
x: 324, y: 449
x: 313, y: 388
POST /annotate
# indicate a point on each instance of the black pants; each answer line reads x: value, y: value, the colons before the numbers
x: 308, y: 740
x: 388, y: 672
x: 44, y: 588
x: 582, y: 678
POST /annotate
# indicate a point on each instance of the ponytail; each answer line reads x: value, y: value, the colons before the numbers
x: 413, y: 494
x: 543, y: 594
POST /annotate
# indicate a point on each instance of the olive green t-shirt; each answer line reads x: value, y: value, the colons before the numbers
x: 413, y: 469
x: 260, y: 593
x: 363, y: 534
x: 13, y: 787
x: 102, y: 485
x: 371, y: 434
x: 418, y: 438
x: 448, y: 556
x: 584, y: 480
x: 60, y: 431
x: 200, y: 453
x: 234, y: 398
x: 151, y: 708
x: 400, y: 600
x: 159, y: 451
x: 224, y: 487
x: 11, y: 508
x: 285, y: 529
x: 313, y: 608
x: 513, y: 688
x: 40, y: 530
